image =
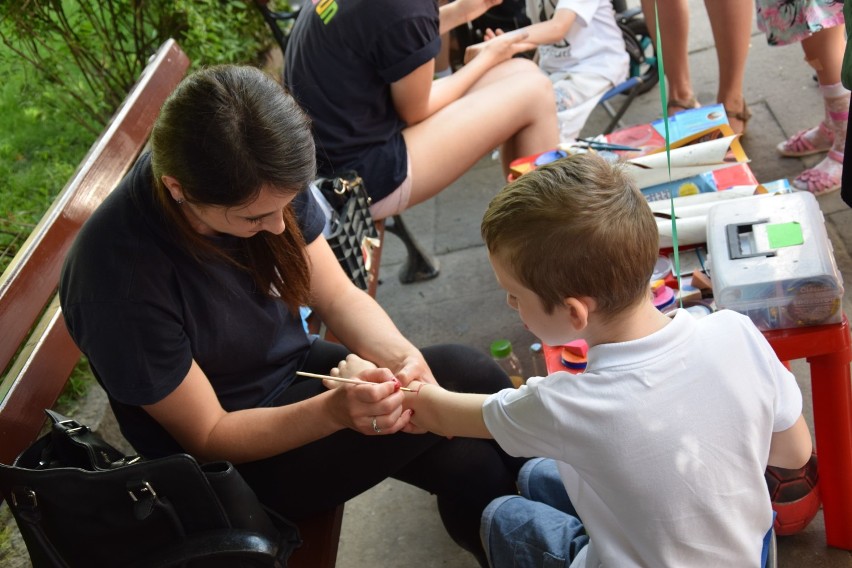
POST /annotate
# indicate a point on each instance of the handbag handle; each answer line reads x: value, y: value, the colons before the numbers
x: 29, y: 513
x: 75, y: 445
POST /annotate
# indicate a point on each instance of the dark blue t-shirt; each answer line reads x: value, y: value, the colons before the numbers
x: 341, y: 59
x: 141, y: 308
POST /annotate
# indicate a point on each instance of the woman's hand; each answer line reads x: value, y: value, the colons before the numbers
x: 491, y: 34
x: 413, y: 374
x: 500, y: 47
x: 350, y: 368
x: 414, y: 368
x: 371, y: 409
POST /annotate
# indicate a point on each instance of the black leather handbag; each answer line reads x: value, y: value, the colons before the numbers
x: 78, y: 501
x: 353, y: 233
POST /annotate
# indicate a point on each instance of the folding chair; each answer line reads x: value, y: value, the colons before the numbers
x: 643, y: 65
x: 419, y: 265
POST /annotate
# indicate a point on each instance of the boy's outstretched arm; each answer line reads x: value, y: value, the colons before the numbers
x: 791, y: 448
x: 447, y: 413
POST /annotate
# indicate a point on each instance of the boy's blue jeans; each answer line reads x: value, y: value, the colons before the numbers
x: 539, y: 528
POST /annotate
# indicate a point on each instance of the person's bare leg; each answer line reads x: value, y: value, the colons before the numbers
x: 824, y: 52
x: 674, y: 34
x: 730, y: 21
x: 512, y: 105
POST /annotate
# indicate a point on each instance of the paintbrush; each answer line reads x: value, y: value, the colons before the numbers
x: 342, y: 380
x: 598, y: 145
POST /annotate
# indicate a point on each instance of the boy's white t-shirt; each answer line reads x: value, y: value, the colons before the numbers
x: 593, y: 44
x: 662, y: 442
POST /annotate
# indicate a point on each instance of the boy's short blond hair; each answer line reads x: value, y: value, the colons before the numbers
x: 572, y: 228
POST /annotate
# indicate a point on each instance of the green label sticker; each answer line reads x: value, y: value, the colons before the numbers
x: 784, y: 234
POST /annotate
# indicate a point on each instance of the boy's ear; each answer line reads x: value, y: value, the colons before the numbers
x: 578, y: 311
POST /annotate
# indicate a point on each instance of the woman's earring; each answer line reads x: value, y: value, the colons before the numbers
x: 179, y: 201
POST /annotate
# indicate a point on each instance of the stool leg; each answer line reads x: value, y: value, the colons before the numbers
x: 832, y: 399
x: 419, y: 265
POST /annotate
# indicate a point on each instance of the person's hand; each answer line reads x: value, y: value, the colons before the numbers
x: 500, y: 47
x: 412, y: 427
x: 372, y: 408
x: 491, y: 34
x: 472, y: 9
x: 414, y: 368
x: 350, y: 368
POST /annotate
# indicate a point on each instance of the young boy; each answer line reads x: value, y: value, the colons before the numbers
x: 663, y: 441
x: 581, y: 49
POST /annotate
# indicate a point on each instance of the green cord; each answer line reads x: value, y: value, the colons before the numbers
x: 664, y: 101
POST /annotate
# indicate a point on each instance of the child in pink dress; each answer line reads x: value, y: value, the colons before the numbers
x: 819, y: 26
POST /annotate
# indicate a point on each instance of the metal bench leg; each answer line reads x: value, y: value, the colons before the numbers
x: 419, y: 265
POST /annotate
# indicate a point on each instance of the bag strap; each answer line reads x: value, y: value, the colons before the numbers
x: 338, y: 190
x: 25, y: 503
x: 75, y: 445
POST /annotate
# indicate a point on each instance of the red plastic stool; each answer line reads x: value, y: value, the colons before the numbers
x: 828, y: 350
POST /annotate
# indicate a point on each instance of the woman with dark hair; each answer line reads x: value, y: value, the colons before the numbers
x: 363, y: 70
x: 183, y: 290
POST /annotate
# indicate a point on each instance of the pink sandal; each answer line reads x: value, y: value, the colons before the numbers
x: 821, y: 181
x: 802, y: 143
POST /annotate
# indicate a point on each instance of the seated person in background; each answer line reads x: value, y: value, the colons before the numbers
x: 581, y: 49
x: 662, y: 443
x: 364, y: 73
x: 183, y: 290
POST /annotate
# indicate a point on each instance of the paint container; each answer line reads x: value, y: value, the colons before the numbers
x: 574, y: 356
x: 698, y: 309
x: 663, y: 296
x: 662, y: 268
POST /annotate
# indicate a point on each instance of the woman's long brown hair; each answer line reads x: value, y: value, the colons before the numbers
x: 226, y: 132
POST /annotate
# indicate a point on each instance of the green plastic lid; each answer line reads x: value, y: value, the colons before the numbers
x: 501, y: 348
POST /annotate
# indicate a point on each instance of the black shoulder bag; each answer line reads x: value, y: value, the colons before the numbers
x: 78, y: 501
x: 353, y: 232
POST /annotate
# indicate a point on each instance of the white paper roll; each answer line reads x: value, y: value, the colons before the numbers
x: 690, y: 231
x: 736, y: 192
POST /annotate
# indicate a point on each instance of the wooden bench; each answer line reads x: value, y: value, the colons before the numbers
x: 36, y: 350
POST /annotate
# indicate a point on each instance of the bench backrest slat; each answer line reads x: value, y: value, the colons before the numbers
x: 29, y: 284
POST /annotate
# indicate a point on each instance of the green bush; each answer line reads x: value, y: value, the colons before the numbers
x: 86, y: 54
x: 67, y: 65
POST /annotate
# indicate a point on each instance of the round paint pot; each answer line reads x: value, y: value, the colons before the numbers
x: 664, y: 296
x: 698, y: 309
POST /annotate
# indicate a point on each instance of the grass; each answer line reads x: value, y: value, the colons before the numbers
x: 40, y: 148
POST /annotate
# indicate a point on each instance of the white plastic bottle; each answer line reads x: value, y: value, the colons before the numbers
x: 501, y: 351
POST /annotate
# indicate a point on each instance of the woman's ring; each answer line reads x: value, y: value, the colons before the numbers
x: 376, y: 426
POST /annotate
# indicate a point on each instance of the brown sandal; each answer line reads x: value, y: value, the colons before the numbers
x: 677, y: 105
x: 744, y: 115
